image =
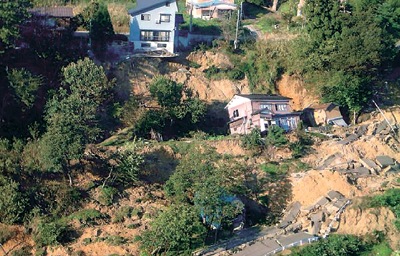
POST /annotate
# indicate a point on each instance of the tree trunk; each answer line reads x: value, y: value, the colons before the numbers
x: 275, y: 5
x: 70, y: 179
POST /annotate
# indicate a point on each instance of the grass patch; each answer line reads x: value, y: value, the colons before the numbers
x: 116, y: 240
x: 107, y: 195
x: 5, y: 235
x: 382, y: 249
x: 122, y: 213
x: 267, y: 23
x: 88, y: 216
x: 200, y: 26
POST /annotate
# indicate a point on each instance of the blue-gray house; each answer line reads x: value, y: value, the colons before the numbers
x: 153, y: 25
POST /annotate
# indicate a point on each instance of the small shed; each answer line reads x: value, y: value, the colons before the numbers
x: 324, y: 114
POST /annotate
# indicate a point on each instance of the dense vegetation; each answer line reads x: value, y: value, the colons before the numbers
x: 56, y: 102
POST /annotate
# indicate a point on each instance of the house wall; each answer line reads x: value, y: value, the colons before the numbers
x: 320, y: 116
x: 136, y: 25
x: 256, y: 105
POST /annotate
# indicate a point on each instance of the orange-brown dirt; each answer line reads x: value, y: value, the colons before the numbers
x: 293, y: 87
x: 308, y: 189
x: 360, y: 222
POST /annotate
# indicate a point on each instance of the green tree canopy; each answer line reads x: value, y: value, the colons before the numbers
x: 12, y: 14
x: 177, y: 229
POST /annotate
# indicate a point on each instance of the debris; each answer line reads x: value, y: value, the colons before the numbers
x: 292, y: 214
x: 362, y: 130
x: 329, y: 160
x: 384, y: 161
x: 349, y: 139
x: 368, y: 163
x: 333, y: 194
x: 382, y: 126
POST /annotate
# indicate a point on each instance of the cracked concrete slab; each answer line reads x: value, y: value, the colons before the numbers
x: 349, y: 139
x: 384, y: 161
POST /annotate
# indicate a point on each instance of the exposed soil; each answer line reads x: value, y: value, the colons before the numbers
x: 360, y: 222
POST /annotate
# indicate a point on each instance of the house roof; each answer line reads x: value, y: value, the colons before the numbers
x: 145, y: 5
x: 61, y: 12
x: 325, y: 106
x: 263, y: 97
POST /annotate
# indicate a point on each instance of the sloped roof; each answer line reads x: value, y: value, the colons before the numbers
x: 61, y: 12
x: 263, y: 97
x: 324, y: 106
x: 145, y: 5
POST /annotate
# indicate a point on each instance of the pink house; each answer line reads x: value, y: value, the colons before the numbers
x: 247, y: 111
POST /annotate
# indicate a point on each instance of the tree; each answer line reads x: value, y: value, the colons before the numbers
x: 72, y: 115
x: 178, y: 112
x: 176, y: 229
x: 12, y: 14
x: 13, y: 204
x: 25, y: 86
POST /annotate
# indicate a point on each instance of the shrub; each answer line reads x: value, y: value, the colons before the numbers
x: 236, y: 74
x: 198, y: 135
x: 13, y: 204
x: 51, y: 233
x: 275, y: 136
x: 137, y: 212
x: 130, y: 163
x: 67, y: 199
x: 193, y: 64
x: 137, y: 238
x: 23, y: 251
x: 122, y: 213
x: 5, y: 235
x: 116, y: 240
x: 88, y: 216
x: 107, y: 195
x: 253, y: 141
x: 133, y: 226
x: 211, y: 71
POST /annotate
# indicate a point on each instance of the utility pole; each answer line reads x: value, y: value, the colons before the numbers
x: 191, y: 17
x: 235, y: 43
x: 391, y: 127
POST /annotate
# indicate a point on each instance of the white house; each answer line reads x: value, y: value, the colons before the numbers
x: 153, y: 25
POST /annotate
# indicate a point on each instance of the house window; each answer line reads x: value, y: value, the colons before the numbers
x: 281, y: 107
x: 167, y: 4
x: 162, y: 45
x: 145, y: 17
x: 266, y: 106
x: 145, y: 45
x: 236, y: 113
x: 165, y: 17
x: 151, y: 35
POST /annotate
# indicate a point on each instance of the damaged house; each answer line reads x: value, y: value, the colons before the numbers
x: 324, y: 114
x: 248, y: 111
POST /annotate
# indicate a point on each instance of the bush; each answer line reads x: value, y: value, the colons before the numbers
x: 236, y: 74
x: 122, y: 213
x: 23, y: 251
x: 253, y: 141
x: 13, y: 203
x: 137, y: 212
x: 116, y: 240
x: 130, y: 163
x: 5, y: 235
x: 198, y: 135
x: 275, y: 136
x: 51, y: 233
x: 68, y: 199
x: 107, y: 195
x: 211, y: 71
x: 88, y: 216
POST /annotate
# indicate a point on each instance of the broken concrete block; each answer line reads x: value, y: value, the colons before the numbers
x: 368, y: 163
x: 391, y: 170
x: 362, y: 171
x: 381, y: 127
x: 322, y: 201
x: 333, y: 194
x: 384, y: 161
x: 329, y: 160
x: 362, y: 130
x: 349, y: 139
